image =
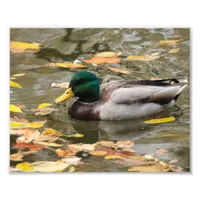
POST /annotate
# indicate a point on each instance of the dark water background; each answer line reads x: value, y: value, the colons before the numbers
x: 59, y: 45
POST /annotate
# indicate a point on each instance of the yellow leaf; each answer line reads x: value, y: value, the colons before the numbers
x: 71, y: 169
x: 174, y: 50
x: 43, y: 105
x: 37, y: 124
x: 113, y: 157
x: 142, y: 58
x: 75, y: 135
x: 14, y: 84
x: 20, y: 47
x: 49, y: 144
x: 25, y: 166
x: 50, y: 131
x: 66, y: 65
x: 14, y: 108
x: 101, y: 60
x: 169, y: 42
x: 114, y: 69
x: 160, y: 120
x: 108, y: 54
x: 16, y: 75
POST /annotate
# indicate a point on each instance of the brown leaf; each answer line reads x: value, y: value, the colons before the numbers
x: 28, y: 136
x: 173, y: 161
x: 75, y: 148
x: 115, y: 69
x: 107, y: 143
x: 98, y: 153
x: 101, y: 60
x: 17, y: 119
x: 64, y: 153
x: 146, y: 168
x: 43, y: 111
x: 32, y: 147
x: 124, y: 144
x: 68, y: 65
x: 161, y: 151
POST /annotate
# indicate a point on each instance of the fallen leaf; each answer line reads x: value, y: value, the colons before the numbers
x: 71, y: 169
x: 110, y: 157
x: 160, y: 120
x: 108, y: 54
x: 60, y: 85
x: 173, y: 161
x: 48, y: 144
x: 17, y: 119
x: 43, y: 105
x: 28, y: 136
x: 75, y: 148
x: 149, y: 157
x: 72, y: 160
x: 25, y: 166
x: 13, y: 78
x: 155, y: 79
x: 77, y: 135
x: 37, y: 124
x: 43, y: 111
x: 68, y: 65
x: 164, y: 165
x: 19, y: 156
x: 100, y: 60
x: 107, y: 143
x: 98, y: 153
x: 21, y: 106
x: 20, y: 47
x: 17, y: 75
x: 124, y: 144
x: 50, y: 131
x: 175, y: 168
x: 64, y: 153
x: 161, y: 151
x: 142, y: 58
x: 146, y: 168
x: 14, y: 108
x: 114, y: 69
x: 15, y: 84
x: 176, y: 50
x: 169, y: 42
x: 32, y: 147
x: 88, y: 147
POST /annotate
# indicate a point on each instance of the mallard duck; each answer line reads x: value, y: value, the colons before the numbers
x: 118, y: 100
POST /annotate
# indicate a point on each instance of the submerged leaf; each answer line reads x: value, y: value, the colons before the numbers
x: 108, y: 54
x: 174, y: 50
x: 68, y: 65
x: 161, y: 151
x: 169, y: 42
x: 14, y: 108
x: 17, y: 75
x: 160, y: 120
x: 142, y: 58
x: 101, y: 60
x: 114, y: 69
x: 43, y: 111
x: 173, y: 161
x: 71, y: 169
x: 43, y: 105
x: 20, y: 47
x: 15, y: 84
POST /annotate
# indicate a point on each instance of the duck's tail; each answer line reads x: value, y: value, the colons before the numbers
x: 183, y: 84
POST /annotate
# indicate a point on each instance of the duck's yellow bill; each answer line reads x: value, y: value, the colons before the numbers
x: 66, y: 95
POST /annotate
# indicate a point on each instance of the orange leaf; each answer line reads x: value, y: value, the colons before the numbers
x: 98, y: 153
x: 114, y: 69
x: 161, y: 151
x: 66, y: 65
x: 64, y: 153
x: 100, y: 60
x: 32, y: 147
x: 169, y: 42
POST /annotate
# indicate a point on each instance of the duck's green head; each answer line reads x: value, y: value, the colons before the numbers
x: 85, y: 86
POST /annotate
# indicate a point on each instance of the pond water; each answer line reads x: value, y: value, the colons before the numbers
x: 59, y: 45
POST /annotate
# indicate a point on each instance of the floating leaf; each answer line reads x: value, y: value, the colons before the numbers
x: 25, y: 166
x: 108, y: 54
x: 72, y: 160
x: 50, y: 131
x: 60, y: 85
x: 161, y: 151
x: 15, y: 84
x: 98, y: 153
x: 160, y: 120
x: 149, y: 157
x: 32, y: 147
x: 48, y: 144
x: 12, y: 78
x: 37, y: 124
x: 174, y: 50
x: 19, y: 156
x: 78, y: 135
x: 114, y: 69
x: 169, y: 42
x: 107, y: 143
x: 88, y: 147
x: 71, y: 169
x: 142, y: 58
x: 43, y: 111
x: 64, y: 153
x: 43, y: 105
x: 28, y: 136
x: 163, y: 164
x: 175, y: 168
x: 110, y: 157
x: 17, y: 119
x: 68, y: 65
x: 14, y: 108
x: 173, y: 161
x: 146, y: 168
x: 101, y: 60
x: 20, y: 47
x: 125, y: 144
x: 75, y: 148
x: 155, y: 79
x: 17, y: 75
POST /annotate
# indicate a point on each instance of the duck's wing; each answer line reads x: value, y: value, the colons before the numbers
x: 128, y: 92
